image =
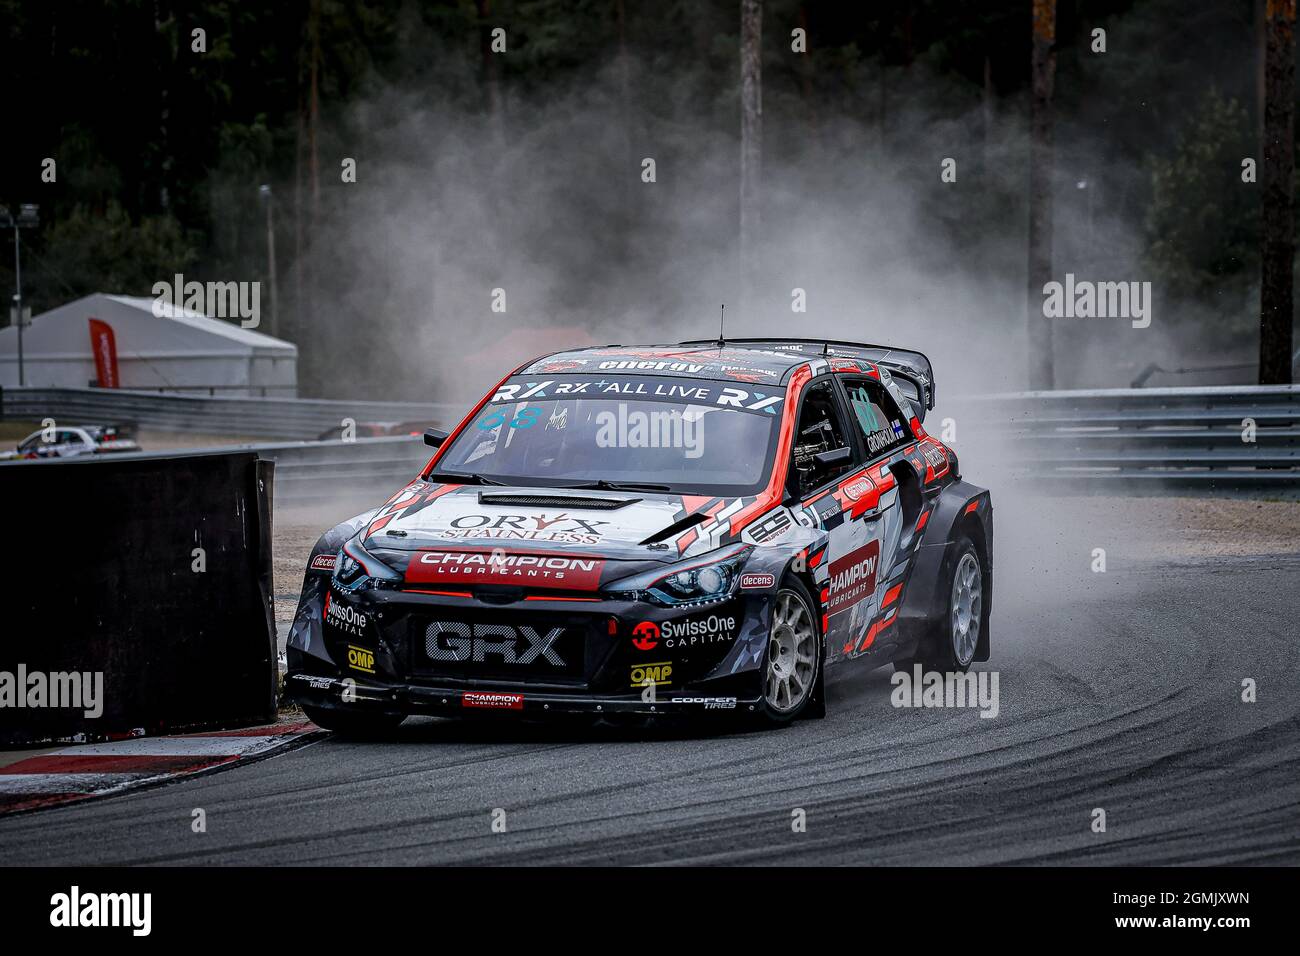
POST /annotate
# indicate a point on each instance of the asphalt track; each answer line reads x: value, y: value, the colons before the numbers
x: 1118, y: 690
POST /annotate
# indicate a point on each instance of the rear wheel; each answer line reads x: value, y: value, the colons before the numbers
x: 793, y: 661
x: 953, y: 637
x: 356, y: 724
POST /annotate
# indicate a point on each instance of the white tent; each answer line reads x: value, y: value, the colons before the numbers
x: 183, y: 351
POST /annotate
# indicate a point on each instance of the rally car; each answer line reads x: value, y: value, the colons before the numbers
x: 646, y: 532
x: 74, y: 441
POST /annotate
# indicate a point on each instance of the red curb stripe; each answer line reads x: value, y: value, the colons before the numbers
x: 101, y: 763
x: 13, y: 802
x: 272, y: 731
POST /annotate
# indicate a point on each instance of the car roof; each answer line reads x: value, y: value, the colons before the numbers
x: 769, y: 360
x: 726, y: 363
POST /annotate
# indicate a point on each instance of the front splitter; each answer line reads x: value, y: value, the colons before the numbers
x: 349, y: 694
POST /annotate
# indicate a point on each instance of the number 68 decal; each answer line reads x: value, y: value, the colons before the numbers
x: 526, y: 418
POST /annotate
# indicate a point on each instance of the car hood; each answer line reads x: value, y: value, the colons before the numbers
x: 632, y: 526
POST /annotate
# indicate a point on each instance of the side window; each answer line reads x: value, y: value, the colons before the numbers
x: 821, y: 448
x: 876, y: 415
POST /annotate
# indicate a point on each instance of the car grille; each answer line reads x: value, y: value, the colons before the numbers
x: 533, y: 648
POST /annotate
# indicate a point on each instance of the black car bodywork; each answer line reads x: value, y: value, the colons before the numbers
x: 477, y: 589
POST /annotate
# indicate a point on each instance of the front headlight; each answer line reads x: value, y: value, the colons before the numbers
x: 356, y: 567
x: 696, y: 583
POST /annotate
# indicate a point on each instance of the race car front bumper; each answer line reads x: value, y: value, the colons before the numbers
x: 412, y: 652
x: 349, y: 695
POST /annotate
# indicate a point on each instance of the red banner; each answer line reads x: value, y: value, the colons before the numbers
x: 104, y: 348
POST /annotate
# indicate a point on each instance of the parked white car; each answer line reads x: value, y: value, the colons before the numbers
x: 74, y: 441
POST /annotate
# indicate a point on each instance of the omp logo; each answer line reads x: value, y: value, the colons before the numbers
x: 755, y: 580
x: 853, y: 577
x: 323, y: 562
x: 361, y: 659
x: 344, y: 616
x: 130, y: 910
x: 705, y: 630
x: 645, y: 636
x: 456, y: 641
x: 652, y: 675
x: 474, y: 698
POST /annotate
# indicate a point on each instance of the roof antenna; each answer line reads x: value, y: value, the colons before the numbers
x: 722, y: 319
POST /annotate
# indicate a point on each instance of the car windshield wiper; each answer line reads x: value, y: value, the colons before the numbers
x: 604, y: 485
x: 464, y: 478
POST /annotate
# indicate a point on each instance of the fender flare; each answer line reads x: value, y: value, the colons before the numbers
x: 961, y: 508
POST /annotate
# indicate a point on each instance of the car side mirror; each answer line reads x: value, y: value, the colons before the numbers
x: 833, y: 457
x: 434, y: 438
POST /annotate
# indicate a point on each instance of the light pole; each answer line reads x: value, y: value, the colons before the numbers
x: 27, y: 218
x: 265, y: 191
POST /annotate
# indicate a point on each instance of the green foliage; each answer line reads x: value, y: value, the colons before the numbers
x: 1203, y: 221
x: 106, y: 251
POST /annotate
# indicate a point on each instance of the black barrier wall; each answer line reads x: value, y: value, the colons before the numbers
x: 153, y: 573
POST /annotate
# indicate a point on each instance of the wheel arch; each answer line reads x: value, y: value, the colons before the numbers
x: 971, y: 526
x: 962, y: 508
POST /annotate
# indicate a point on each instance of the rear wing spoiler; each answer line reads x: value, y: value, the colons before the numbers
x: 913, y: 368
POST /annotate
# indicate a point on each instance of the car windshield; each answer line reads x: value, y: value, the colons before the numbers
x: 682, y: 436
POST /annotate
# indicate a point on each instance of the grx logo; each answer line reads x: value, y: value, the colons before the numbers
x: 457, y: 641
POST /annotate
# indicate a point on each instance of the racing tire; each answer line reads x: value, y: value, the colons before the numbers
x: 356, y: 725
x: 792, y: 661
x: 955, y: 633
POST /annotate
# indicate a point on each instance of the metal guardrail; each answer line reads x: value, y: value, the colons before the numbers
x: 1186, y: 435
x: 305, y: 471
x: 315, y: 471
x: 1195, y: 435
x: 211, y: 415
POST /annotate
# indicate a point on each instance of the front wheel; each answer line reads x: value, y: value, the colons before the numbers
x: 793, y: 661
